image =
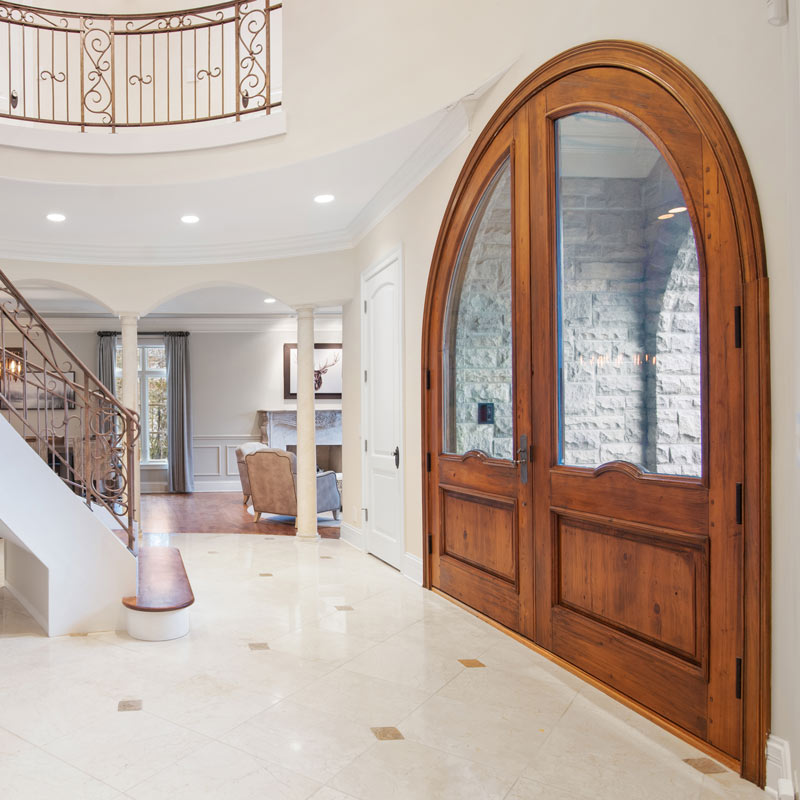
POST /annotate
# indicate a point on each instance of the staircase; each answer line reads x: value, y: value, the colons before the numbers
x: 67, y: 450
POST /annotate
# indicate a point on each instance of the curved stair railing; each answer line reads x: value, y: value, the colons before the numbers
x: 124, y: 71
x: 65, y: 413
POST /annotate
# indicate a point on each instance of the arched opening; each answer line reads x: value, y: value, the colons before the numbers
x: 595, y: 431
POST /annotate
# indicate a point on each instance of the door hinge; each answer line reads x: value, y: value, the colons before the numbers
x: 365, y: 446
x: 430, y: 543
x: 427, y: 379
x: 738, y: 503
x: 366, y: 514
x: 428, y: 461
x: 737, y: 326
x: 738, y: 678
x: 365, y: 306
x: 365, y: 376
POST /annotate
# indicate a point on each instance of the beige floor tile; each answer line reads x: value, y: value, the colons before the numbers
x: 361, y: 698
x: 28, y: 773
x: 326, y: 793
x: 218, y: 771
x: 405, y: 770
x: 504, y: 738
x: 729, y: 786
x: 124, y: 749
x: 591, y: 747
x: 412, y: 665
x: 322, y: 645
x: 531, y: 790
x: 304, y: 740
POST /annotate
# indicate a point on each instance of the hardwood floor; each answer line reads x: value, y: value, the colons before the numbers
x: 215, y: 512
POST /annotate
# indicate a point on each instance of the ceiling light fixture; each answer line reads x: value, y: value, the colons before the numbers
x: 269, y: 299
x: 666, y: 216
x: 324, y: 198
x: 190, y: 219
x: 56, y: 217
x: 677, y: 210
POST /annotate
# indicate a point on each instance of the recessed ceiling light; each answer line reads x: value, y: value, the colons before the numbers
x: 324, y: 198
x: 677, y: 209
x: 56, y: 217
x: 190, y: 219
x: 666, y: 216
x: 269, y: 299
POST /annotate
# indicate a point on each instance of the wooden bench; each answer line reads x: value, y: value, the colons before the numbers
x: 159, y: 610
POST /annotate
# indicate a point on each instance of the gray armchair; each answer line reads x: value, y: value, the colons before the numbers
x: 241, y: 453
x: 272, y: 478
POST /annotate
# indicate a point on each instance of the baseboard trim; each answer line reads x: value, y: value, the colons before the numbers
x: 352, y: 535
x: 218, y: 486
x: 780, y: 780
x: 412, y: 568
x: 22, y: 600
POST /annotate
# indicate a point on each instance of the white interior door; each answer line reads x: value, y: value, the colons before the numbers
x: 383, y: 458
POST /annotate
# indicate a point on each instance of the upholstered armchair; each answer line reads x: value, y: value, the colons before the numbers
x: 272, y: 476
x: 241, y: 453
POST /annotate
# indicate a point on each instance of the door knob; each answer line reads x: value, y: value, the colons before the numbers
x: 396, y: 455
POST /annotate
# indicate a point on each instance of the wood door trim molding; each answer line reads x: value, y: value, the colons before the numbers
x: 702, y: 107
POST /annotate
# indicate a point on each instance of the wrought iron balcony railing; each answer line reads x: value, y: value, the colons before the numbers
x: 63, y: 411
x: 99, y: 71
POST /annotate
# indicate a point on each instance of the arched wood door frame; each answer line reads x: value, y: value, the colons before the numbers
x: 698, y: 102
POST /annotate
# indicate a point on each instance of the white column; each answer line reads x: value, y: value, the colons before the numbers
x: 306, y: 424
x: 130, y: 396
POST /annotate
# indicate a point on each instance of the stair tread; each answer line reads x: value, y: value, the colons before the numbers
x: 163, y: 583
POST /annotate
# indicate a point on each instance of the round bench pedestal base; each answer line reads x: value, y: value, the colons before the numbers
x: 157, y: 626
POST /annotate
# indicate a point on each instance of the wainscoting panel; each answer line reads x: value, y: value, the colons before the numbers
x: 215, y: 467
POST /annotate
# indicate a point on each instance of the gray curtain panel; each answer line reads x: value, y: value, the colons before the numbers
x: 179, y: 413
x: 106, y: 358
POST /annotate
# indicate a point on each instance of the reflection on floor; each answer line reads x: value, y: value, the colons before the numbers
x: 315, y: 671
x: 217, y: 512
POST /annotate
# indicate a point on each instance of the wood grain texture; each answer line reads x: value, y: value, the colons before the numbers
x: 162, y: 581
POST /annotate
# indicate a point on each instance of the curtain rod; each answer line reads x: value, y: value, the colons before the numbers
x: 147, y: 333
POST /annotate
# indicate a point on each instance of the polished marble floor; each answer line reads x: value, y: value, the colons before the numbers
x: 315, y: 671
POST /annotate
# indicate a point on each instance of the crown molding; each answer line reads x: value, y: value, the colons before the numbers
x: 91, y: 323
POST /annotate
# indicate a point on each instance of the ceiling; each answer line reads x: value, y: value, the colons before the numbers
x: 263, y: 214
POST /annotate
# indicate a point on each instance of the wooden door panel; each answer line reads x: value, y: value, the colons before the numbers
x: 481, y: 531
x: 666, y: 684
x: 620, y: 491
x: 647, y: 583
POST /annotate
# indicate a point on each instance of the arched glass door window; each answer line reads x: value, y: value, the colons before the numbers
x: 629, y: 303
x: 478, y: 352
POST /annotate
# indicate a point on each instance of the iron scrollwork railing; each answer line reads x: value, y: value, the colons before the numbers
x: 63, y: 411
x: 101, y: 71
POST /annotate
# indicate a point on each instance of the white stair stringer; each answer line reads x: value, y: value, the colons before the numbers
x: 61, y: 561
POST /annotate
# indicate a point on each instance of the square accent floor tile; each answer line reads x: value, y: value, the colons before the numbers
x: 213, y: 552
x: 471, y: 662
x: 387, y: 734
x: 264, y: 574
x: 258, y: 646
x: 129, y: 705
x: 326, y: 556
x: 705, y: 765
x: 343, y: 608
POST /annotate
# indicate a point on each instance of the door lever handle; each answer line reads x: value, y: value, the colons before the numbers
x: 522, y: 458
x: 396, y: 455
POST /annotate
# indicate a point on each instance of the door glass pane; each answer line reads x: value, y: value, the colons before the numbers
x: 629, y: 303
x: 478, y: 362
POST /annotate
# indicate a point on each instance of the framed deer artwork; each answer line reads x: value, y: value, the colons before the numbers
x: 327, y: 371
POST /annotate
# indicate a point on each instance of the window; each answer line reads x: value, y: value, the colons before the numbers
x: 152, y: 388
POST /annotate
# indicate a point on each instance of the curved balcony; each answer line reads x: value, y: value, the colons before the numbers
x: 103, y: 72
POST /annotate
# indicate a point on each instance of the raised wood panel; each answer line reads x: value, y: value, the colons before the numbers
x: 481, y: 530
x: 650, y: 587
x: 666, y: 684
x: 682, y: 504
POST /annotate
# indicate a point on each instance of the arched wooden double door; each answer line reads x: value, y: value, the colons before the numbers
x: 595, y: 401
